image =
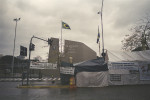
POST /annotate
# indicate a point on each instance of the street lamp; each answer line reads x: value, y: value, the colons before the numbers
x: 14, y: 43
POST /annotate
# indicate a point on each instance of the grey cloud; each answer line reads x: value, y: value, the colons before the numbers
x: 44, y: 20
x: 129, y: 12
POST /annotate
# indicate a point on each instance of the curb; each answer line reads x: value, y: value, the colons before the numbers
x: 55, y: 86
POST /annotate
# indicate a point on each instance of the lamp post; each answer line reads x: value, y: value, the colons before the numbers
x: 16, y: 20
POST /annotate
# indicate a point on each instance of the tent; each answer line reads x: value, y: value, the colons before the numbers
x: 119, y: 56
x: 128, y: 67
x: 91, y: 73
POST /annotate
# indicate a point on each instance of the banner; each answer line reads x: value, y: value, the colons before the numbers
x: 123, y: 65
x: 42, y: 65
x: 144, y: 69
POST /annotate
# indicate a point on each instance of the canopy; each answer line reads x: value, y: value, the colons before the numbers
x: 118, y: 56
x: 94, y: 65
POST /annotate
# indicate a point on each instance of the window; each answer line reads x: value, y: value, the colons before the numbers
x: 115, y: 77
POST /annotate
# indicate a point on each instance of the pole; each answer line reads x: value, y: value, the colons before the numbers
x: 29, y: 61
x: 99, y: 41
x: 99, y: 50
x: 102, y: 25
x: 49, y: 55
x: 61, y: 37
x: 14, y: 44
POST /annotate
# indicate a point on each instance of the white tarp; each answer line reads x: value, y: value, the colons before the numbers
x: 119, y: 71
x: 140, y: 58
x: 92, y: 79
x: 126, y: 79
x: 118, y: 56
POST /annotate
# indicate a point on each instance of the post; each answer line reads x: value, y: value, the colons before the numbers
x: 102, y: 25
x: 14, y: 44
x: 49, y: 54
x: 29, y: 61
x: 99, y: 50
x: 99, y: 41
x: 61, y: 37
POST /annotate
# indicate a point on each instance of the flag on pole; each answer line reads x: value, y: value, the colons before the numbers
x: 65, y: 26
x: 98, y: 36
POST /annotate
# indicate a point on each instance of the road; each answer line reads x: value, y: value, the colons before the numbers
x: 8, y: 91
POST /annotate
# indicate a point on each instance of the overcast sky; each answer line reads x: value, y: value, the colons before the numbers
x: 42, y: 18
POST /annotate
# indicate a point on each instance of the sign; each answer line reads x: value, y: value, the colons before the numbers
x: 42, y: 65
x: 67, y: 70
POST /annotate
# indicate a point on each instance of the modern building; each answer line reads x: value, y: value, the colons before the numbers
x: 78, y: 51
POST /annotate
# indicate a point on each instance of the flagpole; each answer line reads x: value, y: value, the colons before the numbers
x: 99, y: 50
x: 102, y: 25
x: 61, y: 37
x: 99, y: 41
x: 101, y: 15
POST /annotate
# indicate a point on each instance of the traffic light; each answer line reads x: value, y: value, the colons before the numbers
x: 32, y: 47
x: 23, y: 51
x: 50, y: 41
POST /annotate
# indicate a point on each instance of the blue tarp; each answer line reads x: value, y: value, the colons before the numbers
x: 94, y: 65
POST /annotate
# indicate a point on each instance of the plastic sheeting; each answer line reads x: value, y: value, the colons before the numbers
x: 92, y: 79
x: 126, y: 79
x: 118, y: 56
x: 95, y: 65
x: 119, y: 71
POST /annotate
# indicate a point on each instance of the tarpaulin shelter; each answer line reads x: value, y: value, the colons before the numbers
x: 91, y: 73
x: 128, y: 67
x: 120, y: 56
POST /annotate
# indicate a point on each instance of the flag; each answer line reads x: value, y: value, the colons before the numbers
x: 65, y: 26
x: 98, y: 36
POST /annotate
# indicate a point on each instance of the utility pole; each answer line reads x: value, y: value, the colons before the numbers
x: 16, y: 20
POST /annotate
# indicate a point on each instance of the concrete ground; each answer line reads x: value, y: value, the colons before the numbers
x: 8, y: 91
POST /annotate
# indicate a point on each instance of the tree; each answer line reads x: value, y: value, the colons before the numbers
x: 140, y: 36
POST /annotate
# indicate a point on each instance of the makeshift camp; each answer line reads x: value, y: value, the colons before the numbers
x: 92, y: 73
x: 119, y: 68
x: 128, y: 67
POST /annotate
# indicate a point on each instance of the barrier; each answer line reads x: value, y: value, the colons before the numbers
x: 72, y: 82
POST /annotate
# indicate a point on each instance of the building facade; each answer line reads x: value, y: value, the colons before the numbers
x: 77, y: 51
